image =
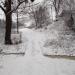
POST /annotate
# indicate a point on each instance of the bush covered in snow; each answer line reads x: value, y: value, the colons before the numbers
x: 16, y: 38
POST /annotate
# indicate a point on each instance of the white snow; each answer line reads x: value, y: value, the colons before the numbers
x: 36, y: 65
x: 33, y: 62
x: 2, y: 16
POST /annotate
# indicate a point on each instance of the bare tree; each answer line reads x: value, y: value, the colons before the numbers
x: 40, y: 15
x: 6, y: 6
x: 57, y: 4
x: 70, y: 22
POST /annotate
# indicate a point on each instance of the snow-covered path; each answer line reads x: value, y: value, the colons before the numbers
x: 35, y: 41
x: 33, y: 62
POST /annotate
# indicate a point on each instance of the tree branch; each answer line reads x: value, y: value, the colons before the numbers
x: 3, y: 9
x: 19, y: 5
x: 15, y: 7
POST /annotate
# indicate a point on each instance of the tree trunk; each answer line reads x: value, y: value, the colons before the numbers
x: 8, y: 23
x: 8, y: 29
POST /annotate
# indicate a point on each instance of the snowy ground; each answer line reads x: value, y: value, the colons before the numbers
x: 35, y: 65
x: 33, y: 62
x: 34, y: 44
